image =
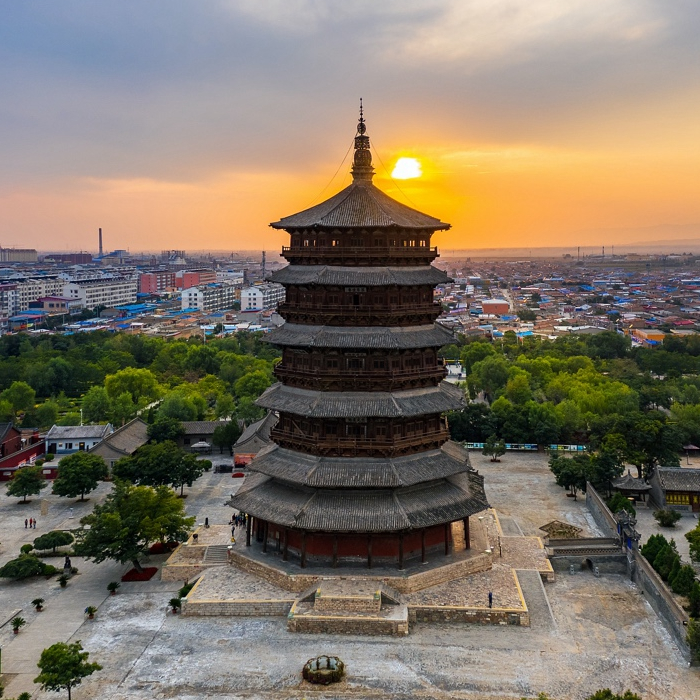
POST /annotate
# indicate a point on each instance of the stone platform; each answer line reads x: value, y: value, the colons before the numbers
x: 374, y: 601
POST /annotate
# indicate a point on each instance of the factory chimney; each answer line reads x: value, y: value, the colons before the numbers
x: 100, y: 236
x: 263, y: 264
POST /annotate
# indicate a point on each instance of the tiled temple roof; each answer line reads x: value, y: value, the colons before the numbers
x: 348, y: 472
x: 359, y: 276
x: 360, y: 205
x: 380, y: 338
x: 424, y: 505
x: 362, y: 404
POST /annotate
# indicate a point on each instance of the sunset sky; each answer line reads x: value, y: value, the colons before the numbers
x: 176, y: 124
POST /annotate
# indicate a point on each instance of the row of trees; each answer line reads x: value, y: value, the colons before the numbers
x: 48, y: 380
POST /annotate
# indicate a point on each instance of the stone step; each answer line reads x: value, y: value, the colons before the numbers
x: 216, y: 554
x: 348, y: 596
x: 390, y: 620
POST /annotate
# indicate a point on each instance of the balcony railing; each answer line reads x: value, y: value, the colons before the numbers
x: 355, y: 446
x: 358, y: 252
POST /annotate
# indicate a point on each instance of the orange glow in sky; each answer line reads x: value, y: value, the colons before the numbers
x: 537, y: 124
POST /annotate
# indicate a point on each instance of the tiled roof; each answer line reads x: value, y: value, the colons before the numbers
x: 679, y: 479
x: 126, y: 439
x: 347, y: 472
x: 359, y: 276
x: 391, y: 510
x: 76, y: 432
x: 200, y: 427
x: 630, y: 483
x: 360, y: 205
x: 380, y: 338
x: 361, y: 404
x: 260, y: 429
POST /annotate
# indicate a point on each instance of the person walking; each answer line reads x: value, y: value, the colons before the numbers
x: 25, y: 523
x: 490, y: 599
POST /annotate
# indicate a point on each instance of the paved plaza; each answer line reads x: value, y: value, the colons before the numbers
x: 586, y: 633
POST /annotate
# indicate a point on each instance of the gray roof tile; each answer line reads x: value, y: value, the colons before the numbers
x: 359, y: 276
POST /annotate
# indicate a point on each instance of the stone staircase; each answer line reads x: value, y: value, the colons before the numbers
x: 349, y: 606
x: 216, y: 555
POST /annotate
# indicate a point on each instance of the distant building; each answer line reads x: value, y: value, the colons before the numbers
x: 677, y: 488
x: 66, y: 439
x: 101, y: 291
x: 9, y: 303
x: 55, y: 306
x: 18, y: 255
x: 156, y: 281
x: 262, y: 297
x: 212, y: 297
x: 495, y: 306
x: 254, y: 438
x: 31, y: 289
x: 194, y: 278
x: 122, y: 442
x: 69, y: 258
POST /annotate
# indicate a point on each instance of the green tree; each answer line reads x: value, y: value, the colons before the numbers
x: 177, y: 406
x: 26, y: 481
x: 26, y: 566
x: 52, y: 540
x: 71, y: 418
x: 494, y: 448
x: 472, y: 424
x: 20, y: 396
x: 694, y: 599
x: 252, y: 385
x: 491, y: 375
x: 225, y: 406
x: 474, y: 352
x: 619, y: 502
x: 571, y: 472
x: 63, y: 666
x: 693, y: 638
x: 46, y: 414
x: 247, y: 411
x: 79, y: 474
x: 96, y: 405
x: 683, y: 581
x: 693, y: 538
x: 607, y: 694
x: 165, y: 429
x: 667, y: 517
x: 665, y: 559
x: 226, y: 434
x: 140, y: 384
x: 123, y: 408
x: 130, y: 519
x: 159, y: 464
x: 653, y: 546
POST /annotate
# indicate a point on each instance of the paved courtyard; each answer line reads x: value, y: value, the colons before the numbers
x: 600, y: 632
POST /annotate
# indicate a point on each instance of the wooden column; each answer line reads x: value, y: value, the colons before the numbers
x: 285, y: 550
x: 447, y: 538
x: 369, y: 552
x: 248, y: 524
x: 401, y: 551
x: 265, y: 526
x: 467, y: 542
x: 303, y: 549
x: 335, y: 551
x: 422, y: 546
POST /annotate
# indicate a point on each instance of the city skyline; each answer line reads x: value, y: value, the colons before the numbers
x: 182, y: 126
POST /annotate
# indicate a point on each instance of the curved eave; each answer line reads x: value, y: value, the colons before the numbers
x: 297, y: 468
x: 334, y: 511
x: 360, y: 276
x: 361, y: 205
x: 361, y: 337
x: 362, y: 404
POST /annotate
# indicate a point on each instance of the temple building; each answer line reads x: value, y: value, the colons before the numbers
x: 360, y: 469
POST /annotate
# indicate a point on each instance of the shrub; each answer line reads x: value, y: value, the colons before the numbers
x: 175, y: 604
x: 182, y: 593
x: 25, y: 566
x: 664, y: 561
x: 667, y: 517
x: 675, y: 570
x: 683, y: 581
x: 53, y: 539
x: 17, y: 622
x: 618, y: 502
x: 49, y: 456
x: 49, y: 570
x: 653, y: 546
x: 26, y: 548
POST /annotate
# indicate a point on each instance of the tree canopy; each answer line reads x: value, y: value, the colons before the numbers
x: 157, y: 464
x: 130, y: 519
x: 78, y: 474
x: 63, y: 666
x: 26, y: 481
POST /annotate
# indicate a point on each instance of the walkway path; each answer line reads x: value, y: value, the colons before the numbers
x: 541, y: 617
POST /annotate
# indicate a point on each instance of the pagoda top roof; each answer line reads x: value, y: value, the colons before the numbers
x: 361, y: 204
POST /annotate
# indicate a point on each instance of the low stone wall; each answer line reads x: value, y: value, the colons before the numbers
x: 481, y: 616
x: 186, y: 562
x: 661, y: 599
x: 236, y: 608
x: 347, y: 604
x: 401, y: 583
x: 606, y: 563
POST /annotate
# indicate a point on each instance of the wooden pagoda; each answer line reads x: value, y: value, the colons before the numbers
x: 360, y: 468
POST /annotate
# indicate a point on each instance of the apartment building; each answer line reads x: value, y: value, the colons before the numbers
x: 101, y: 291
x: 262, y: 297
x: 31, y: 289
x: 211, y: 297
x: 156, y: 281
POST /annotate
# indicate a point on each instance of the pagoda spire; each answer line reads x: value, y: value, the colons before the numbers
x: 362, y: 169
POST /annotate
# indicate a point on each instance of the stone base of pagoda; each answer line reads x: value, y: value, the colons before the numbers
x: 359, y: 549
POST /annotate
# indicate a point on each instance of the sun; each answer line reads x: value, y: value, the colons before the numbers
x: 407, y: 168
